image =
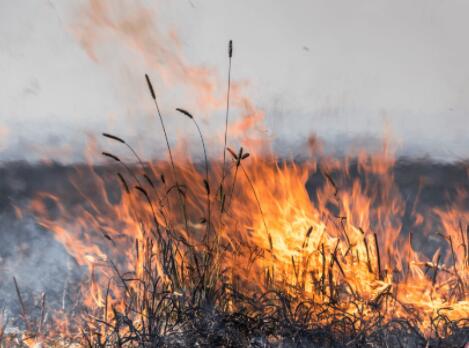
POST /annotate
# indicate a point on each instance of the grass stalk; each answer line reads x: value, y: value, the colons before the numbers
x: 227, y: 113
x: 181, y: 199
x: 206, y: 181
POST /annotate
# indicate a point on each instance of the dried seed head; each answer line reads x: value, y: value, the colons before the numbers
x: 113, y: 137
x: 143, y: 191
x: 124, y: 183
x: 182, y: 111
x: 147, y: 178
x: 230, y: 49
x: 235, y: 156
x: 150, y: 86
x: 207, y: 186
x: 110, y: 155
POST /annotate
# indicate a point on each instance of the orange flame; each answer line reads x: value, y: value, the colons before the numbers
x: 344, y: 249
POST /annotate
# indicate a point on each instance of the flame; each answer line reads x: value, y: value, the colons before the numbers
x: 135, y: 33
x: 344, y: 245
x: 338, y: 246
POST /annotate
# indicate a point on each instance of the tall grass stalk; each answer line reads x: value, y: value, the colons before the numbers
x: 230, y: 55
x: 181, y: 199
x: 206, y: 181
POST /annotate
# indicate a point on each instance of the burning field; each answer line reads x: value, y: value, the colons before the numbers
x: 241, y: 247
x: 251, y: 250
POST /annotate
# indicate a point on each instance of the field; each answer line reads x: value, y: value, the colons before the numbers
x: 41, y: 265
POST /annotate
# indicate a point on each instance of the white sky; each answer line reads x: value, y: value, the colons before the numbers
x: 341, y: 69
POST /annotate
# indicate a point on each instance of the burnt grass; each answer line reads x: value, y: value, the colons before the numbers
x: 202, y: 320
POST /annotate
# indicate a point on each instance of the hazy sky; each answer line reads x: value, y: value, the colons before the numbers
x: 340, y: 69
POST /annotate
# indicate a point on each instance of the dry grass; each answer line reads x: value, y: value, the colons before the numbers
x: 193, y: 304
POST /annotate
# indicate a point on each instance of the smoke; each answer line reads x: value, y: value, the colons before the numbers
x: 74, y: 70
x: 36, y: 260
x: 28, y: 252
x: 122, y: 37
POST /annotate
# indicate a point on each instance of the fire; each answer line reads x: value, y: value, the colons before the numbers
x: 342, y: 250
x: 157, y: 236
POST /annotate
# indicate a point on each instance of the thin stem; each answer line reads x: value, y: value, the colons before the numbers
x: 230, y: 55
x: 259, y: 206
x: 232, y: 187
x: 207, y: 188
x: 207, y: 185
x: 142, y: 165
x: 181, y: 201
x: 203, y: 146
